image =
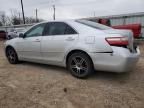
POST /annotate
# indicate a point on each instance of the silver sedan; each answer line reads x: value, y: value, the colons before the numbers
x: 80, y: 45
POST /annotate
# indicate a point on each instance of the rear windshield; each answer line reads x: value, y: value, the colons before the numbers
x: 94, y: 24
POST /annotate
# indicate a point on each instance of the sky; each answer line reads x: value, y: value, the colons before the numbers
x: 72, y: 9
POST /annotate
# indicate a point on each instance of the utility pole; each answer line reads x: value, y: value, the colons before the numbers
x: 54, y: 12
x: 19, y: 17
x: 94, y: 13
x: 36, y: 15
x: 23, y: 11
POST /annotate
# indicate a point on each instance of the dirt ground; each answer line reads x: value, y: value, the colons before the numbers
x: 30, y: 85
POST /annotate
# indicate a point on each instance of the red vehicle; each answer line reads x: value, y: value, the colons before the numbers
x: 136, y: 28
x: 2, y: 35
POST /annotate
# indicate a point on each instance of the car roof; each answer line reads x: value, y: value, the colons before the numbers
x: 70, y: 20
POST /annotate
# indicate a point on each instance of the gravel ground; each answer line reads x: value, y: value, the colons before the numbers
x: 30, y: 85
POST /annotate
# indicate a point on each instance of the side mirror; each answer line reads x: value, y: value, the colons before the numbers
x: 21, y: 35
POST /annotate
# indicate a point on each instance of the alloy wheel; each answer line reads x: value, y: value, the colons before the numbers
x: 11, y: 55
x: 79, y: 65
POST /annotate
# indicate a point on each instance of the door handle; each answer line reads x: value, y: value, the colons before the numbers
x: 70, y: 39
x: 37, y: 40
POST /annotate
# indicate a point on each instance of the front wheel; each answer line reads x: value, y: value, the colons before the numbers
x: 11, y: 56
x: 80, y: 65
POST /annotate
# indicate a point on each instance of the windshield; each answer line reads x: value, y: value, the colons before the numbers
x: 94, y: 24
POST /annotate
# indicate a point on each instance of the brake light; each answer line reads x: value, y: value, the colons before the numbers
x: 117, y: 41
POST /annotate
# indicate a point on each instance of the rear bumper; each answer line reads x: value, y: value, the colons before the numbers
x: 121, y: 60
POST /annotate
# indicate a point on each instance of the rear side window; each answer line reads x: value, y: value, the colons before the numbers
x: 58, y: 28
x: 70, y: 30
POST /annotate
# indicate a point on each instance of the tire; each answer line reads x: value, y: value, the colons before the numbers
x: 12, y: 55
x: 80, y: 65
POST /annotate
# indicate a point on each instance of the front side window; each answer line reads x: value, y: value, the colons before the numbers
x: 36, y: 31
x: 58, y: 28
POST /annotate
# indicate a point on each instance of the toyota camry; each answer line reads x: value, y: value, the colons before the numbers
x: 81, y: 46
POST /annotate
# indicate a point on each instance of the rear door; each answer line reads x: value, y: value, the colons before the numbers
x: 58, y: 37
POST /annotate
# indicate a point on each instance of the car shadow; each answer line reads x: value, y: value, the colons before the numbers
x: 45, y: 66
x: 96, y: 75
x: 111, y: 76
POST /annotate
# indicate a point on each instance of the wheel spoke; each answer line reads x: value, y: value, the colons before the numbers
x: 81, y: 61
x: 9, y: 53
x: 75, y: 61
x: 74, y: 66
x: 84, y: 68
x: 12, y: 59
x: 78, y: 71
x: 12, y: 54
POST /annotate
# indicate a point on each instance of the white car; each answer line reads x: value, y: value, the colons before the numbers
x: 14, y: 32
x: 11, y: 33
x: 80, y: 45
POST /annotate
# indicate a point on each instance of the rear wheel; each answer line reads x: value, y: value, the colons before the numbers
x: 80, y: 65
x: 11, y: 55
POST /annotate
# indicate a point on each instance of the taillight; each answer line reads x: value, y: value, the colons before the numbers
x: 117, y: 41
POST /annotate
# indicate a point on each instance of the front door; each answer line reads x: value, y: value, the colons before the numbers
x: 29, y: 46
